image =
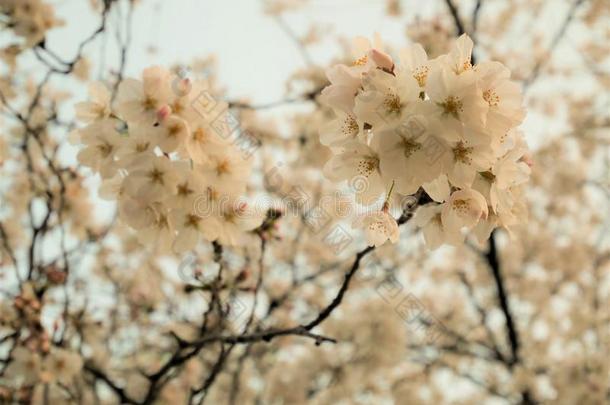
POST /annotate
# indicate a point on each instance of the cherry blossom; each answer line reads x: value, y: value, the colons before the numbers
x: 167, y: 160
x: 443, y: 125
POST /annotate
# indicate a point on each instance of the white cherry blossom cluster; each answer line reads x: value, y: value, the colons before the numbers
x: 29, y: 19
x: 444, y: 125
x: 164, y: 155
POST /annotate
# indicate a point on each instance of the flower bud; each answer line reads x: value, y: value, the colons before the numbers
x: 527, y: 159
x: 163, y: 112
x: 382, y: 59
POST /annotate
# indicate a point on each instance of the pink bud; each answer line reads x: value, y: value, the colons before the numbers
x: 164, y: 112
x: 381, y: 59
x: 527, y: 159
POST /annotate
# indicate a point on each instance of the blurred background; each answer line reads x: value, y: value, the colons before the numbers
x: 523, y: 320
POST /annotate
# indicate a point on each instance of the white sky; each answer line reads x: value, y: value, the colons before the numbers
x: 255, y: 56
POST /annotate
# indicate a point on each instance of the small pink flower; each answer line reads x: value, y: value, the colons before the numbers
x: 164, y: 112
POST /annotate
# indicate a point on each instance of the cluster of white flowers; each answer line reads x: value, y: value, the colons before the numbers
x: 59, y: 365
x: 442, y: 124
x: 163, y: 153
x: 29, y: 19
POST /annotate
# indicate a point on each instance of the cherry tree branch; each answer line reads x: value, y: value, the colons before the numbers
x: 511, y: 329
x: 459, y: 24
x: 120, y: 392
x: 496, y: 271
x: 187, y: 350
x: 304, y: 98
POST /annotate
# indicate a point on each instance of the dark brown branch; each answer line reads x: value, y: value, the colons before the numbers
x: 475, y: 19
x: 79, y: 52
x: 120, y: 392
x: 483, y: 316
x: 459, y: 25
x: 305, y: 98
x: 511, y: 329
x: 7, y: 247
x: 339, y: 297
x: 187, y: 350
x: 124, y: 48
x: 496, y: 271
x: 216, y: 369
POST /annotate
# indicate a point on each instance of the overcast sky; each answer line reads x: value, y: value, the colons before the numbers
x: 254, y: 55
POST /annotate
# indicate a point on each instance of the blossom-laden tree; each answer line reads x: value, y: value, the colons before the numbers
x: 385, y: 237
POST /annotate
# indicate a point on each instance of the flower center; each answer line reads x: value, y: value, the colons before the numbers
x: 367, y: 165
x: 199, y: 135
x: 177, y: 107
x: 460, y: 206
x: 461, y: 153
x: 463, y: 67
x: 142, y: 147
x: 350, y: 126
x: 174, y: 130
x: 491, y: 97
x: 162, y: 222
x: 149, y: 103
x: 378, y: 226
x: 184, y: 190
x: 222, y: 167
x: 452, y: 106
x: 192, y: 221
x: 409, y: 147
x: 156, y: 176
x: 392, y: 104
x: 421, y: 74
x: 466, y: 66
x: 105, y: 149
